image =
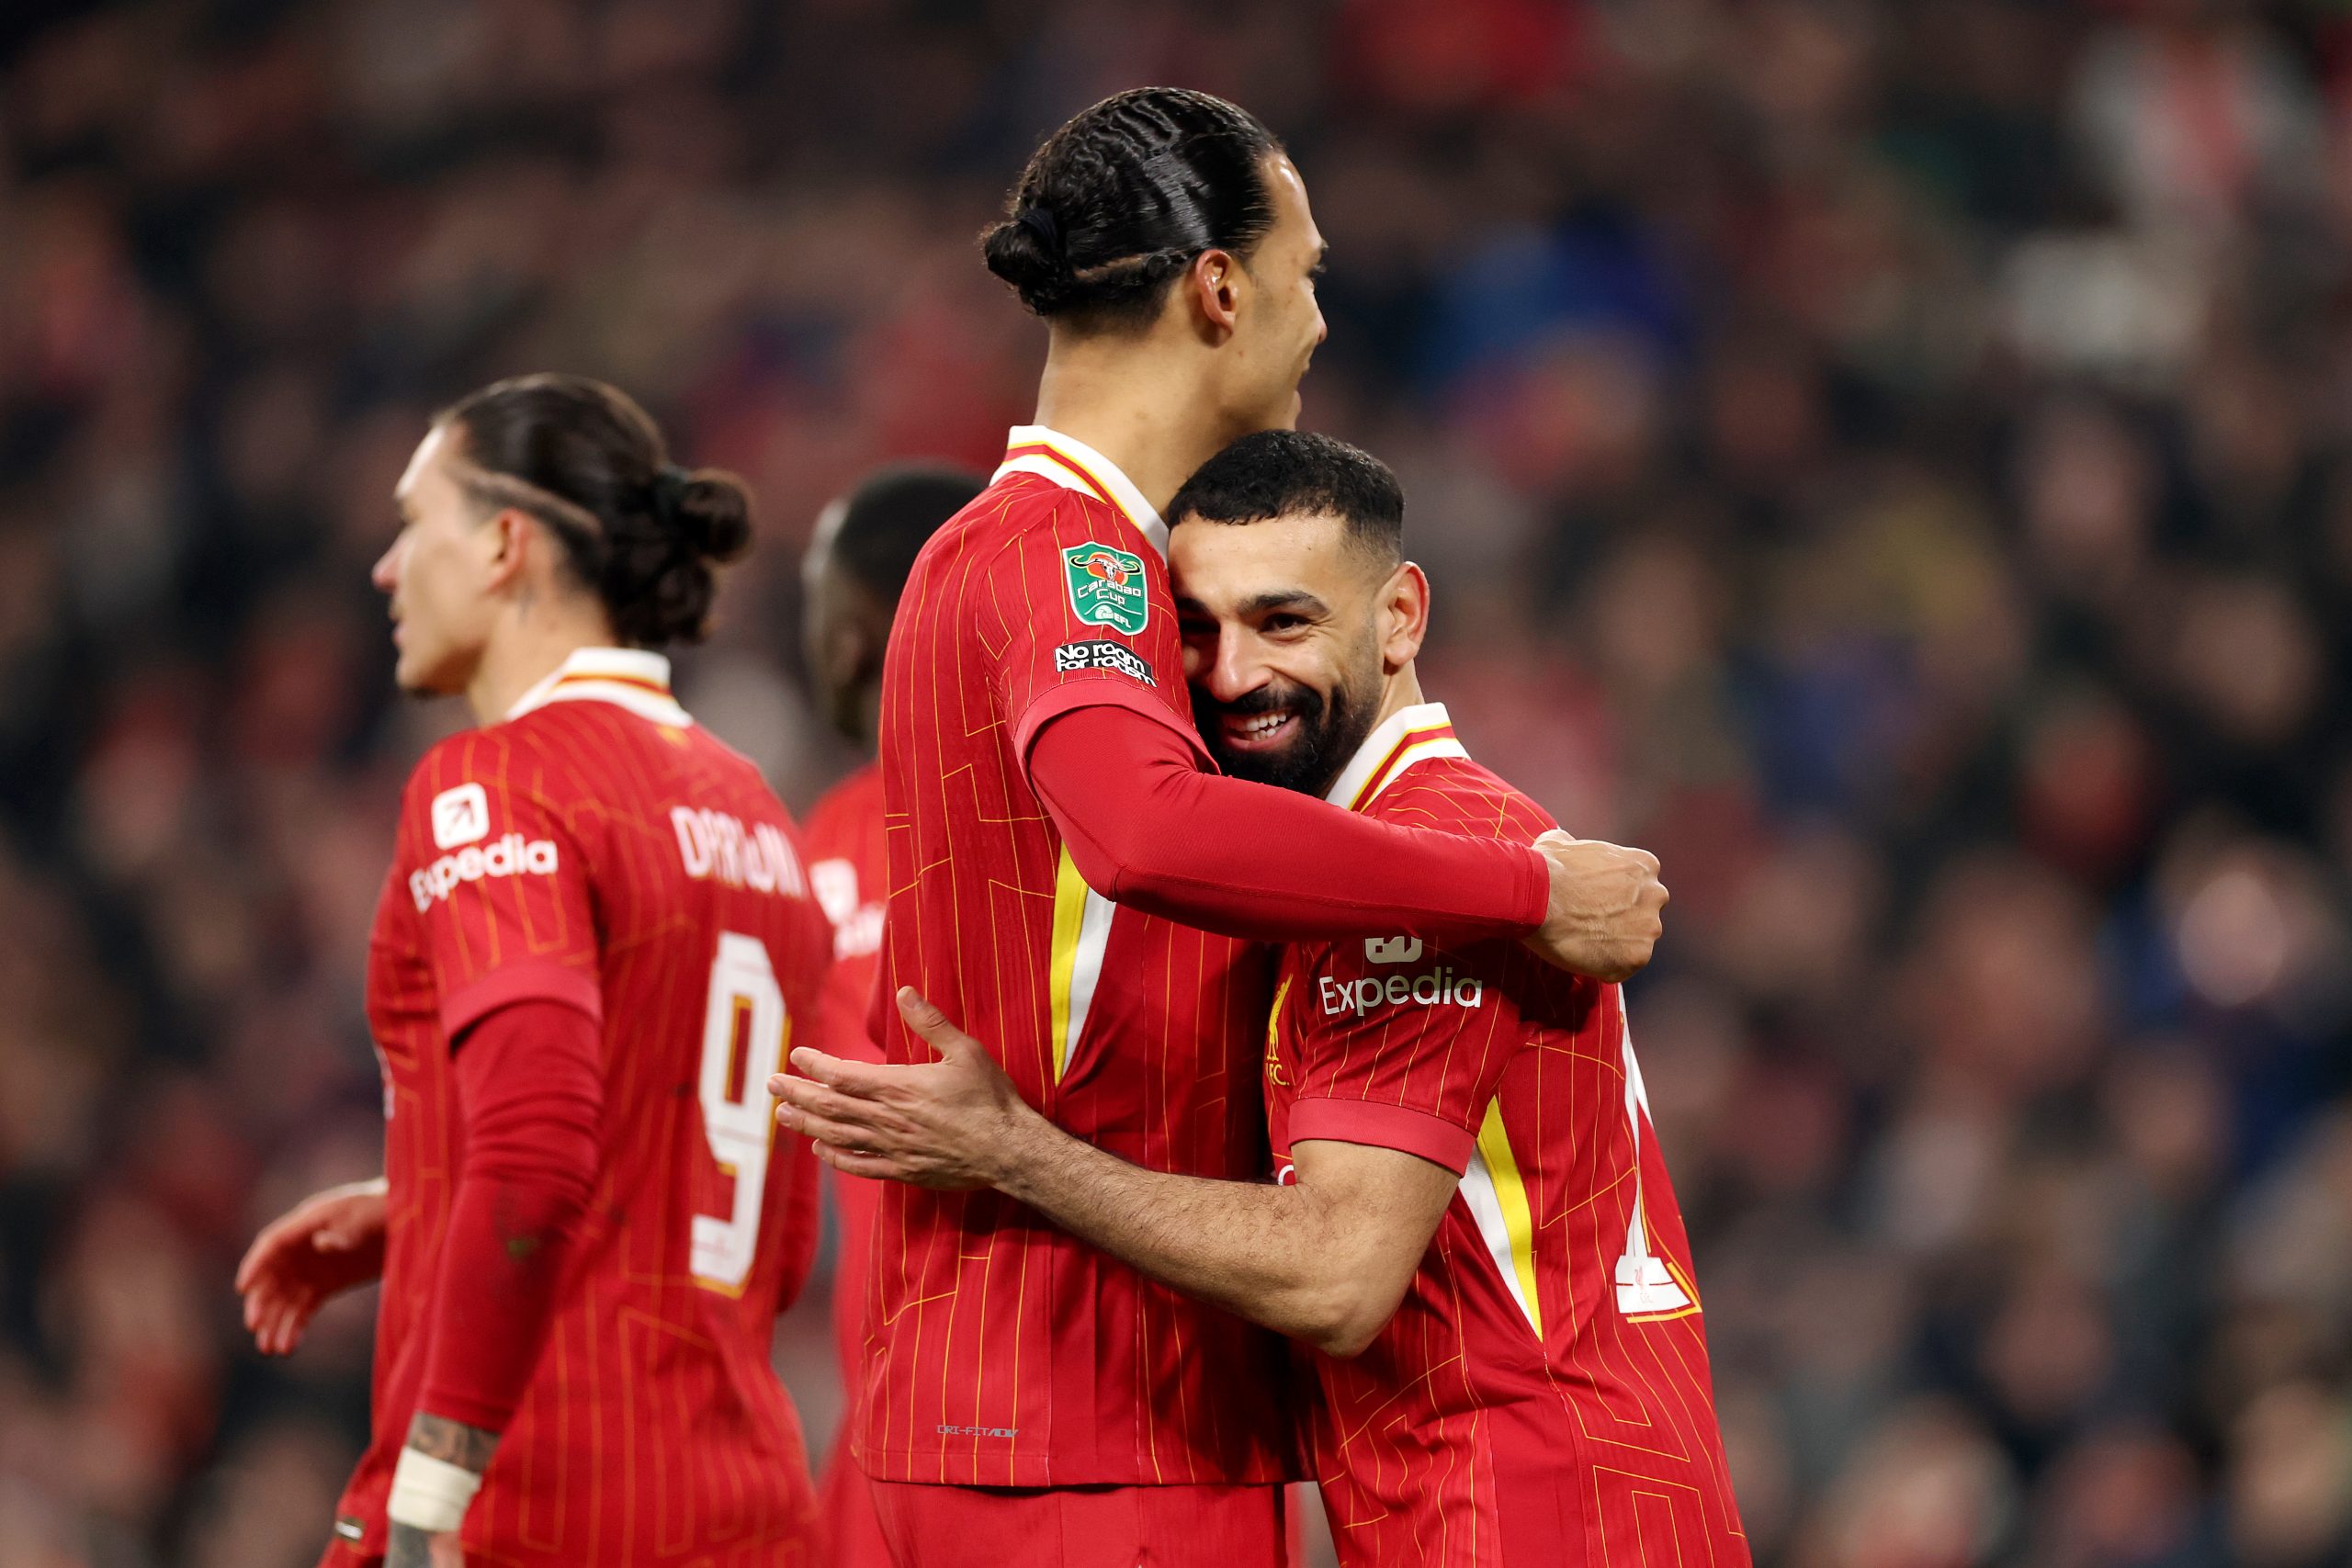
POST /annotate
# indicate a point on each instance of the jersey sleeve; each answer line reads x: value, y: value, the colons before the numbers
x: 1403, y: 1043
x: 1075, y: 610
x: 498, y: 880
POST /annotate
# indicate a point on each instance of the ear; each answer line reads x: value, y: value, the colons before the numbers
x: 1214, y: 283
x: 1404, y: 615
x: 507, y: 543
x: 844, y: 652
x: 855, y: 637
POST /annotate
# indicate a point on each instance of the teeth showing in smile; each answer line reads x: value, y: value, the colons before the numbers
x: 1264, y: 725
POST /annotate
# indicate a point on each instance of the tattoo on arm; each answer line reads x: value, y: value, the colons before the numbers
x: 442, y: 1439
x: 438, y: 1437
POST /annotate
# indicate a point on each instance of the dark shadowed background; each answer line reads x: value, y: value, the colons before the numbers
x: 1889, y: 458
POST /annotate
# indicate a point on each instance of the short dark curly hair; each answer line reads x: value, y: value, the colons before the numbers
x: 1284, y: 473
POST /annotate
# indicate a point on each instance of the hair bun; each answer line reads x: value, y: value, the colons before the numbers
x: 706, y: 511
x: 1027, y: 250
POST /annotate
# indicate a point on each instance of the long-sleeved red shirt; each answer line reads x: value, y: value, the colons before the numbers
x: 531, y: 1092
x: 1146, y: 827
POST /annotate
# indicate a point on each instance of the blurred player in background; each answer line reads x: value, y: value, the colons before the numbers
x: 1053, y: 815
x: 592, y: 944
x: 858, y: 557
x: 1459, y: 1128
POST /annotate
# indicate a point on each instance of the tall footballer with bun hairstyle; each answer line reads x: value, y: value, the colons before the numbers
x: 596, y: 939
x: 1072, y: 880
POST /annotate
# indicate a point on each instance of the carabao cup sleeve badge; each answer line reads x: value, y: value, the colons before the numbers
x: 1106, y: 587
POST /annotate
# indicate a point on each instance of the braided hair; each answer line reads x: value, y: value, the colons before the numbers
x: 1119, y: 201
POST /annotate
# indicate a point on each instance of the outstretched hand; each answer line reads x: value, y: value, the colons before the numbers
x: 321, y: 1247
x: 949, y: 1124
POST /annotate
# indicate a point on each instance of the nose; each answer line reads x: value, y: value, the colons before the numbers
x: 1235, y: 669
x: 386, y: 574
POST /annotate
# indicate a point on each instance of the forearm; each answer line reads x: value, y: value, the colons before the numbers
x: 530, y: 1089
x: 1267, y: 1253
x: 1148, y: 828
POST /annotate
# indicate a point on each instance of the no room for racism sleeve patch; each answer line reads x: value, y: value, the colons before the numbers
x: 1106, y: 587
x: 1113, y: 656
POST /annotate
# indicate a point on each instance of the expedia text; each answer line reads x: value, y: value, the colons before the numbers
x: 510, y: 855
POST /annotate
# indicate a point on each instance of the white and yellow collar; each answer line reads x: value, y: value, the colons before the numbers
x: 627, y: 677
x: 1073, y: 464
x: 1409, y: 735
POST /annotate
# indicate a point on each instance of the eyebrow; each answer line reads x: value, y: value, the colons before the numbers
x: 1288, y: 599
x: 1258, y: 603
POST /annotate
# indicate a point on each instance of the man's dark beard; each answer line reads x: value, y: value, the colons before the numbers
x: 1329, y: 733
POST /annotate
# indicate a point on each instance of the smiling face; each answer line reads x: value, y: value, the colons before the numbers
x: 1291, y: 630
x: 439, y: 573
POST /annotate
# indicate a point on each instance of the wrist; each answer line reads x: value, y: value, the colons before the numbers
x: 1013, y: 1155
x: 430, y: 1494
x: 1534, y: 891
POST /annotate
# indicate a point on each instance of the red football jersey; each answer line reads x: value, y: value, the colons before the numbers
x: 599, y: 847
x: 1001, y: 1351
x: 845, y: 837
x: 1543, y: 1394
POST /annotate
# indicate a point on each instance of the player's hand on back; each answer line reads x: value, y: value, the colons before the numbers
x: 323, y: 1247
x: 954, y: 1123
x: 1606, y: 903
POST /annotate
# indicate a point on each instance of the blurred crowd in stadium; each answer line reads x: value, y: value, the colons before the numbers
x: 1891, y: 459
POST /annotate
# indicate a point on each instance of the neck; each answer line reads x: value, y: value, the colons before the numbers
x: 527, y: 650
x: 1400, y: 691
x: 1144, y: 407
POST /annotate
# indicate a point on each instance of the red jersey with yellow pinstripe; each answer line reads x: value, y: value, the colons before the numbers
x: 598, y: 848
x: 1543, y: 1394
x: 1001, y: 1351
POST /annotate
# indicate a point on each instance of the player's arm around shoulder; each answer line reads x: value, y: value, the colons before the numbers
x: 1324, y: 1258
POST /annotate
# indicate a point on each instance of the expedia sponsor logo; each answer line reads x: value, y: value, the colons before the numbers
x: 857, y: 926
x: 1439, y: 987
x: 715, y: 845
x: 510, y: 855
x: 461, y: 816
x: 1115, y: 656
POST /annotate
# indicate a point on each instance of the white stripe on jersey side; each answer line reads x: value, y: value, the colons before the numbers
x: 1486, y: 1208
x: 1094, y: 940
x: 1644, y: 1284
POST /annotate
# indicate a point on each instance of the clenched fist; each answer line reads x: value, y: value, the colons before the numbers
x: 1606, y: 899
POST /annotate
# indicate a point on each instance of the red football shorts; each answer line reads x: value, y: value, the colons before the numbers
x: 852, y: 1535
x: 1082, y: 1526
